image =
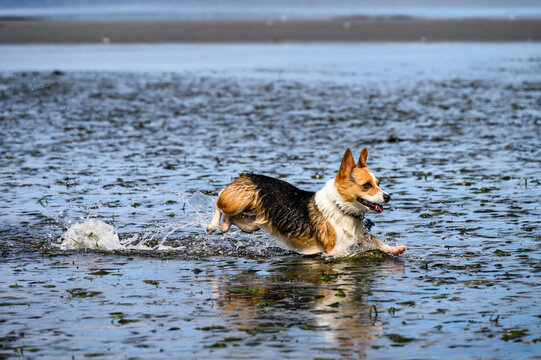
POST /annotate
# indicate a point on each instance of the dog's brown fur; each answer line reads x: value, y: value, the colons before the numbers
x: 303, y: 221
x: 241, y: 197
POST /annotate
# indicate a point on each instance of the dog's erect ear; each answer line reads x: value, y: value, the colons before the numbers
x: 362, y: 158
x: 347, y: 164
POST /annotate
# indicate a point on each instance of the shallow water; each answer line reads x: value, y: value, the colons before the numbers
x: 452, y: 131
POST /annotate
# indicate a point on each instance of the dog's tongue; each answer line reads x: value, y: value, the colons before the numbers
x: 379, y: 208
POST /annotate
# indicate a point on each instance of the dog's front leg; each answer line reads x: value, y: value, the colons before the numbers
x: 373, y: 243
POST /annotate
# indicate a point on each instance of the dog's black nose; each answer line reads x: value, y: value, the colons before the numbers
x: 386, y: 197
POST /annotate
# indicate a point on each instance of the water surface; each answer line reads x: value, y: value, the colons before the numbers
x: 143, y: 138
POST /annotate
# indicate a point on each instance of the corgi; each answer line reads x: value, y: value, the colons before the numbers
x: 327, y: 221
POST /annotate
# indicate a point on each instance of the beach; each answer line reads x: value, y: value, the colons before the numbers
x: 344, y: 29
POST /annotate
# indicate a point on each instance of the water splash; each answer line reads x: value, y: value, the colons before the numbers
x: 96, y: 234
x: 92, y: 234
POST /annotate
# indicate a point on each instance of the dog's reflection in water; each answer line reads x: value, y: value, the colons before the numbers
x: 332, y: 299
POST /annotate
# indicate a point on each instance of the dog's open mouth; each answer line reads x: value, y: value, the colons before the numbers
x: 370, y: 205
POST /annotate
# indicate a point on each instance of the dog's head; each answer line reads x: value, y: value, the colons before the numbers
x: 358, y: 187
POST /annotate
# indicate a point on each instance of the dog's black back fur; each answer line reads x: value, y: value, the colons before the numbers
x: 285, y: 205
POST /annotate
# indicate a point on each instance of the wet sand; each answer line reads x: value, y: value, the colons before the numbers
x: 343, y: 29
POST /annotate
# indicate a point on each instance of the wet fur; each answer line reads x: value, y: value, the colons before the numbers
x: 279, y: 208
x: 330, y: 220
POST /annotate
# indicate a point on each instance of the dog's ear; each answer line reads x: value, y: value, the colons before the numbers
x: 347, y: 164
x: 362, y: 158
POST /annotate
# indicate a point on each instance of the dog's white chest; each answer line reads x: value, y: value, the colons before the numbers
x: 347, y: 235
x: 349, y: 230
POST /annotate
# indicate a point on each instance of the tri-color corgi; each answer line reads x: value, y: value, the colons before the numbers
x: 329, y: 220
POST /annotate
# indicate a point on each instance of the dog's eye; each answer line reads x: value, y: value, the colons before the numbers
x: 367, y: 186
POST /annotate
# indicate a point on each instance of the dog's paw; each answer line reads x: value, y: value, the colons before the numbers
x: 397, y: 250
x: 211, y: 229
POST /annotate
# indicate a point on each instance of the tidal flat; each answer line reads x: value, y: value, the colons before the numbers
x: 144, y: 137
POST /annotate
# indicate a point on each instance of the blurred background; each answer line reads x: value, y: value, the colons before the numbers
x: 264, y: 9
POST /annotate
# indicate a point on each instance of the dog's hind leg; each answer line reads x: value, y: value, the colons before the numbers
x: 226, y: 224
x: 235, y: 202
x: 245, y: 221
x: 215, y: 222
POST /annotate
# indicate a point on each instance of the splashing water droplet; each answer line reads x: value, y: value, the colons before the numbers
x: 92, y: 234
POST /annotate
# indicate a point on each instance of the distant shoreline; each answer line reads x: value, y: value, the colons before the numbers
x: 239, y: 31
